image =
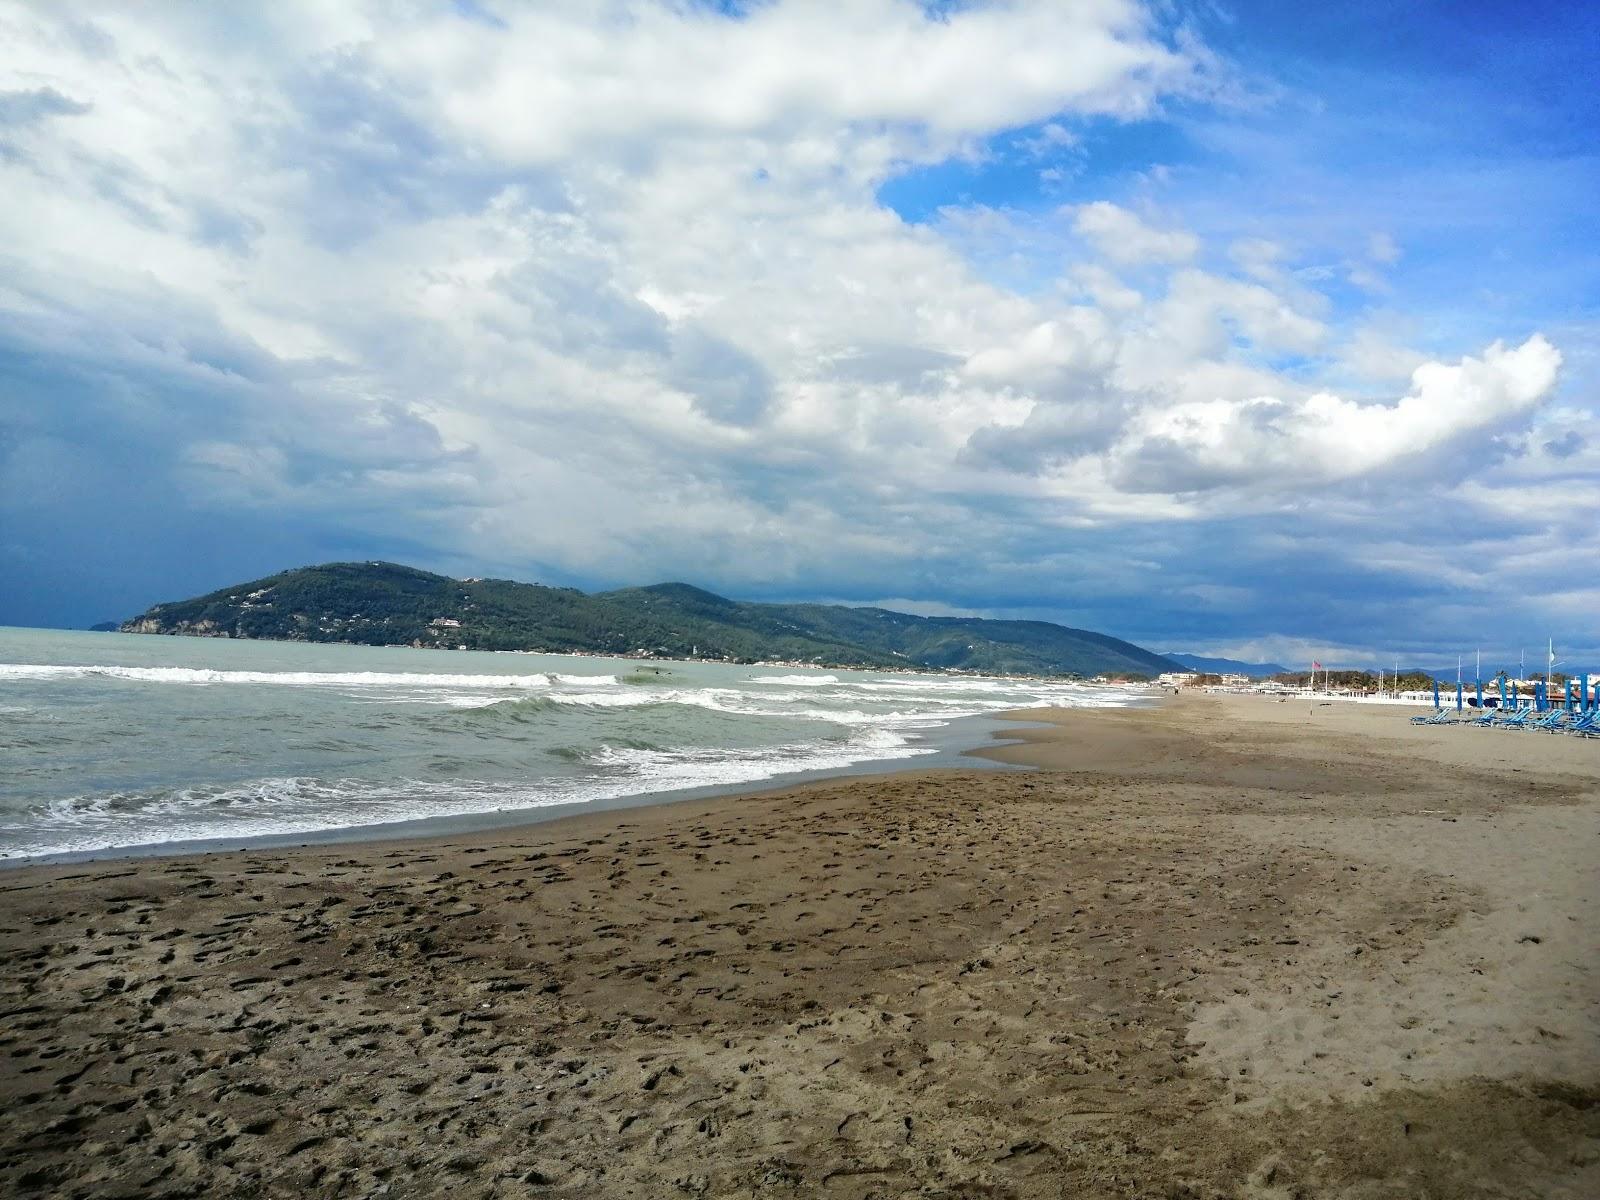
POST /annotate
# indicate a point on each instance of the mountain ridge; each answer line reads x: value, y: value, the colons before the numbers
x: 1226, y: 666
x: 389, y: 604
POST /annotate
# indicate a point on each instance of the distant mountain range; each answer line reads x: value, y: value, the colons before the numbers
x: 1228, y: 666
x: 385, y: 604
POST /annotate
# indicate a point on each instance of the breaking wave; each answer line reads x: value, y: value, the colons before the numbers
x: 295, y: 805
x: 345, y: 679
x: 105, y: 757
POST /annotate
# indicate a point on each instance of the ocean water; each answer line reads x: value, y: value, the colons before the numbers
x: 118, y: 741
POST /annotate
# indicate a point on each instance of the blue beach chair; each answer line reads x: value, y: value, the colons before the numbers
x: 1584, y: 724
x: 1441, y: 717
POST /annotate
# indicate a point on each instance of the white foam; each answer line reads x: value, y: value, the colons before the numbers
x: 879, y: 712
x: 632, y: 699
x: 346, y: 679
x: 471, y: 700
x: 852, y: 709
x: 297, y: 805
x: 671, y: 770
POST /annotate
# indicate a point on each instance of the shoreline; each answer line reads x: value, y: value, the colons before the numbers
x: 958, y: 740
x: 1215, y: 948
x: 235, y: 804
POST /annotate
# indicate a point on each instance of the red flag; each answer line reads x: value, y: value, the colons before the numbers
x: 1316, y: 666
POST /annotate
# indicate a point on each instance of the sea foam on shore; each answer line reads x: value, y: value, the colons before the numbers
x: 117, y: 741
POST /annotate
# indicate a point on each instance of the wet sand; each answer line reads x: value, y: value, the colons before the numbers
x: 1227, y: 948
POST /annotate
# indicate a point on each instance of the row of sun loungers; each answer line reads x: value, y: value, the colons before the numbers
x: 1559, y: 720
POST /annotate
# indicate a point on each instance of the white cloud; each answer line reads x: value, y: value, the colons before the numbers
x: 1122, y: 237
x: 1202, y: 313
x: 558, y: 80
x: 611, y: 289
x: 1052, y: 139
x: 1382, y: 248
x: 1273, y: 443
x: 1260, y: 258
x: 1371, y: 354
x: 1078, y: 341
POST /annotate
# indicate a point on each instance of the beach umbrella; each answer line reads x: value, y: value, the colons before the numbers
x: 1436, y: 703
x: 1502, y: 691
x: 1458, y: 695
x: 1480, y: 695
x: 1538, y: 695
x: 1583, y: 694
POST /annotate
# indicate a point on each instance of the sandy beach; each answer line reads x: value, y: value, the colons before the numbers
x: 1227, y: 947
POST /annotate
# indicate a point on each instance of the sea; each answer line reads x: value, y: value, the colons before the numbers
x: 116, y: 743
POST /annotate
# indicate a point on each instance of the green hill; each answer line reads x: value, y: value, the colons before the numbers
x: 385, y: 604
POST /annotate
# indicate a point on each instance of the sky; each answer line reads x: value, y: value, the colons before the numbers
x: 1239, y: 328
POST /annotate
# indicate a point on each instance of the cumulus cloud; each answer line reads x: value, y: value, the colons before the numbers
x: 1373, y: 354
x: 608, y: 293
x: 548, y: 85
x: 1122, y: 237
x: 1266, y: 441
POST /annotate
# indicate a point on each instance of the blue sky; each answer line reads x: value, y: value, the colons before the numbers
x: 1232, y: 328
